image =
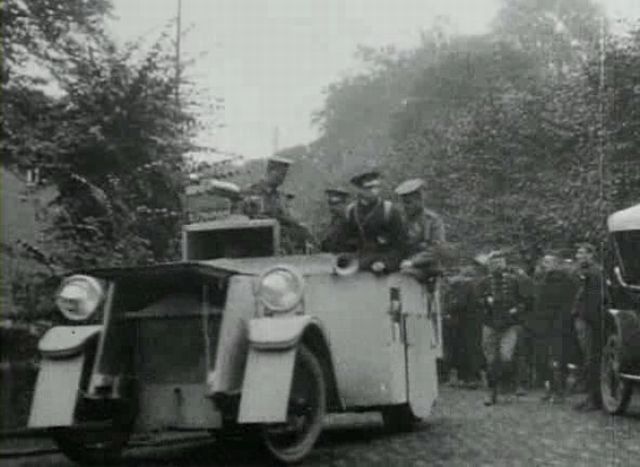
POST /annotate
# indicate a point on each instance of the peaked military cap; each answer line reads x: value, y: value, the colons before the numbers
x: 279, y: 161
x: 336, y: 195
x: 365, y: 178
x: 409, y: 186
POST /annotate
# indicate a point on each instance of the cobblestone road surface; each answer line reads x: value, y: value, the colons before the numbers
x: 461, y: 432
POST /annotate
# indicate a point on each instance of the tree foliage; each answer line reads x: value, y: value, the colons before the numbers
x: 527, y: 135
x: 103, y: 124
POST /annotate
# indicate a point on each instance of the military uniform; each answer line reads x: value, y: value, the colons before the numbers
x: 377, y: 232
x: 333, y: 240
x: 588, y: 318
x: 265, y: 200
x: 505, y: 296
x: 374, y: 226
x: 425, y: 234
x: 424, y: 231
x: 551, y: 324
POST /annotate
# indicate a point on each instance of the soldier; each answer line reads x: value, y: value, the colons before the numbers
x: 375, y: 226
x: 554, y: 294
x: 264, y: 199
x: 337, y: 201
x: 504, y: 295
x: 425, y: 231
x: 588, y: 317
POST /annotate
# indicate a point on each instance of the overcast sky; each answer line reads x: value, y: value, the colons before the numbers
x: 270, y: 59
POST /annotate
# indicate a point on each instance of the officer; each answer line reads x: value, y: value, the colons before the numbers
x: 374, y: 225
x: 588, y: 318
x: 425, y: 230
x: 505, y: 296
x: 551, y: 322
x: 337, y: 200
x: 264, y: 199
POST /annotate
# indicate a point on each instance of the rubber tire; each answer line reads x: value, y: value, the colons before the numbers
x: 614, y: 405
x: 75, y: 446
x: 296, y: 453
x: 398, y: 418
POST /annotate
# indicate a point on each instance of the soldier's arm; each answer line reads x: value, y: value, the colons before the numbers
x: 438, y: 230
x: 525, y: 292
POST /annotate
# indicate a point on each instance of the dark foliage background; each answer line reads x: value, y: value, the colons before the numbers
x: 527, y: 136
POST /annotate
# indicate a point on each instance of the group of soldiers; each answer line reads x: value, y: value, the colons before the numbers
x: 384, y: 235
x: 520, y: 322
x: 529, y: 329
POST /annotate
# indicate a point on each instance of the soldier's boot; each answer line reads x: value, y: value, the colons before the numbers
x: 521, y: 376
x: 546, y: 397
x: 558, y: 386
x: 493, y: 376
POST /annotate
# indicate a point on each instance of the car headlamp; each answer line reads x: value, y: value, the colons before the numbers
x: 280, y: 289
x: 79, y: 297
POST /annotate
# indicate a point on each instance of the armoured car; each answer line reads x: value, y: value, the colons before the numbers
x: 234, y: 338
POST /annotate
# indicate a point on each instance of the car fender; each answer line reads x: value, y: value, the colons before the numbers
x: 627, y: 326
x: 57, y: 387
x: 277, y: 333
x: 269, y: 368
x: 66, y: 341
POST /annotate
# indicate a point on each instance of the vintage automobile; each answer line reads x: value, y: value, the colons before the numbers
x: 620, y: 368
x: 233, y: 339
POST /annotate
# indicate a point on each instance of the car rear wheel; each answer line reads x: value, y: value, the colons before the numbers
x: 398, y: 418
x: 615, y: 391
x: 291, y: 442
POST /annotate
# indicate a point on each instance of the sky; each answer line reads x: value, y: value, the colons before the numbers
x: 269, y: 60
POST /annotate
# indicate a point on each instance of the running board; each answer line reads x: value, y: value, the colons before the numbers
x: 630, y: 377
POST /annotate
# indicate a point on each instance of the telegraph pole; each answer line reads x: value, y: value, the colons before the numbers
x: 178, y: 34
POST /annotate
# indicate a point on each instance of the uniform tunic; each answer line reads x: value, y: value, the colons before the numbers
x: 551, y: 320
x: 377, y: 231
x: 424, y: 231
x: 333, y: 240
x: 271, y: 204
x: 502, y: 291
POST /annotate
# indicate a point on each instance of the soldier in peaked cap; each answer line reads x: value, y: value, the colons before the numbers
x: 264, y: 199
x: 505, y: 295
x: 266, y: 193
x: 374, y: 225
x: 425, y: 230
x: 332, y: 240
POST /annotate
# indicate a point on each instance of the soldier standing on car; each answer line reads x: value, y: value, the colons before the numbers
x: 332, y: 240
x: 264, y: 199
x: 588, y: 317
x: 375, y: 225
x: 425, y: 232
x: 504, y: 295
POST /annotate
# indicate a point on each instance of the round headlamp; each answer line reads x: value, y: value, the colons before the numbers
x: 79, y: 297
x: 280, y: 289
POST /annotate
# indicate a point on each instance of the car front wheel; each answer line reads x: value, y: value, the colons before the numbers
x: 616, y: 391
x: 291, y: 442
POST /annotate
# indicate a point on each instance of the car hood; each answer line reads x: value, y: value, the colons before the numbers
x: 305, y: 264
